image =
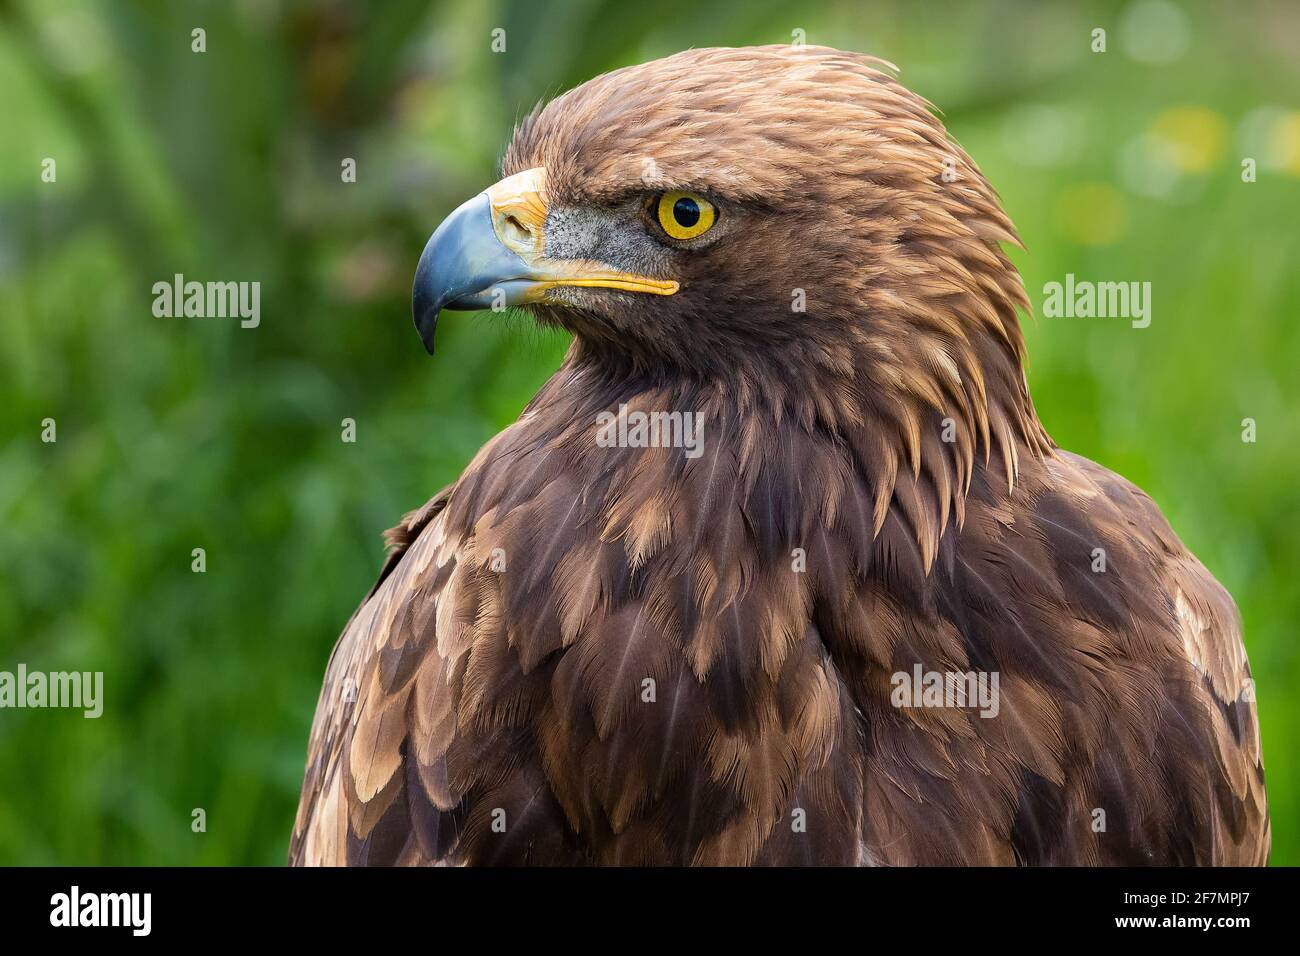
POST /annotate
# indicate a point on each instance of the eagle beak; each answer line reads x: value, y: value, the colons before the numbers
x: 488, y: 254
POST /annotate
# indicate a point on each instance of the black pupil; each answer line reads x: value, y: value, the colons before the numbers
x: 686, y: 212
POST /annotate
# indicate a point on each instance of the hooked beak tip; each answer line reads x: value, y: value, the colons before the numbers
x: 425, y: 305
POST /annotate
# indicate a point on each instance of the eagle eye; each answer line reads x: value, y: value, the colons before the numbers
x: 683, y: 215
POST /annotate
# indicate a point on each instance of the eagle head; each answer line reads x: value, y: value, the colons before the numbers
x: 757, y: 215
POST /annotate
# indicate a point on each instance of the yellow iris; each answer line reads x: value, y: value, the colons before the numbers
x: 684, y: 215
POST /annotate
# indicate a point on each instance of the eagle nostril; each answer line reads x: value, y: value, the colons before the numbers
x: 518, y: 230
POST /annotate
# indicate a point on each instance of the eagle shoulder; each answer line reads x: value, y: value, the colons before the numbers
x: 353, y: 751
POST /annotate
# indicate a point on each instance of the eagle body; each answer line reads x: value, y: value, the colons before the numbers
x: 592, y: 654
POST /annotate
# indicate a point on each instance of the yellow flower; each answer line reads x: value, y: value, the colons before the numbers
x: 1195, y: 135
x: 1092, y: 214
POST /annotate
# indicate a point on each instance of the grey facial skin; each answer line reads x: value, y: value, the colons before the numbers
x: 619, y: 236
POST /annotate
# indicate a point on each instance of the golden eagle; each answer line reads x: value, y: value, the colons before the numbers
x: 780, y: 566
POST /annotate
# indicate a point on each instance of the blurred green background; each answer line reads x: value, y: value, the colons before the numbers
x: 175, y: 434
